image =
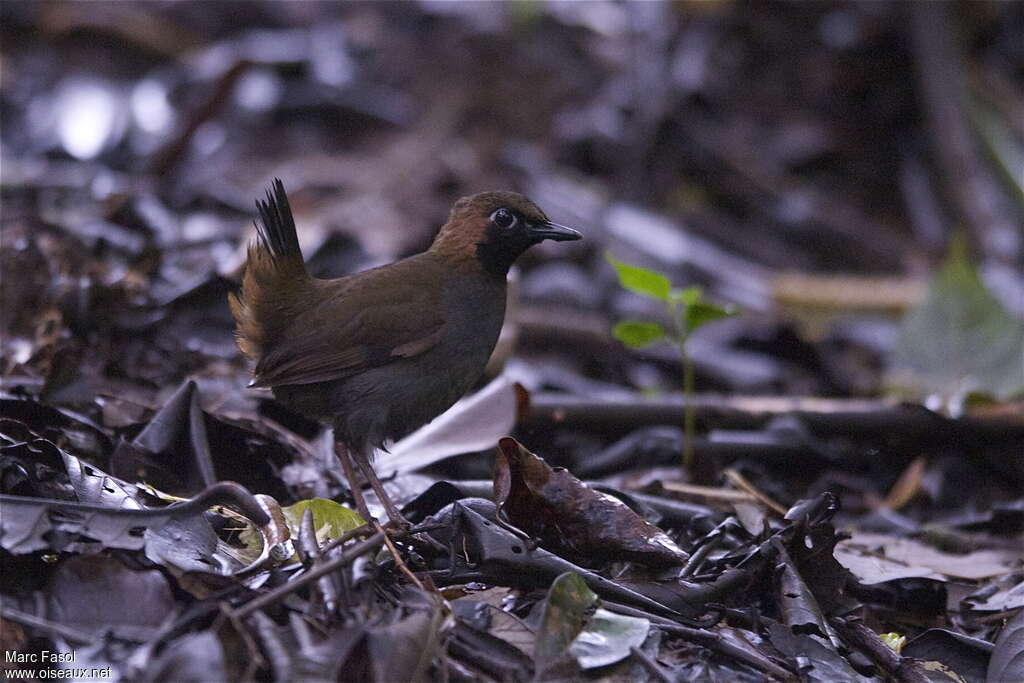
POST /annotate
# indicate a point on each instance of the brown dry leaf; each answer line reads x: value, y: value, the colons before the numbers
x: 504, y: 625
x: 874, y: 558
x: 556, y: 507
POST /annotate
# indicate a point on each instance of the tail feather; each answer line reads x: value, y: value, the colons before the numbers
x: 276, y: 227
x: 275, y: 280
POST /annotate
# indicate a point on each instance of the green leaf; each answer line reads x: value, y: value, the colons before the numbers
x: 1002, y: 145
x: 636, y: 334
x: 649, y: 283
x: 701, y: 313
x: 570, y: 625
x: 688, y: 296
x: 698, y: 311
x: 562, y: 617
x: 959, y: 338
x: 894, y: 640
x: 330, y: 519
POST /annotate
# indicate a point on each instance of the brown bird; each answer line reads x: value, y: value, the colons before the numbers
x: 379, y: 353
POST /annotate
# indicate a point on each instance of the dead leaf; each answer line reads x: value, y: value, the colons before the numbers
x: 553, y: 505
x: 875, y: 558
x: 469, y: 426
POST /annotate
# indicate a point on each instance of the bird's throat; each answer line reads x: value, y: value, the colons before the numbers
x: 496, y: 259
x: 497, y: 251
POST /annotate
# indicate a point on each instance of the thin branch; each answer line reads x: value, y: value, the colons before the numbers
x: 651, y: 666
x: 46, y: 626
x: 356, y: 551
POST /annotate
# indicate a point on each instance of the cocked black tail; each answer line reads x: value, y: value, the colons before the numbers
x: 276, y: 226
x: 275, y: 284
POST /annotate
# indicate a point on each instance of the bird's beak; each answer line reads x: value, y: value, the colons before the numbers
x: 553, y: 231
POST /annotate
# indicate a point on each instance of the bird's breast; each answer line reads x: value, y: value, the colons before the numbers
x: 474, y: 313
x: 388, y: 402
x: 474, y: 310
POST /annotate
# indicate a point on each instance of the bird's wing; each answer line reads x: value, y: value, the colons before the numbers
x: 366, y: 321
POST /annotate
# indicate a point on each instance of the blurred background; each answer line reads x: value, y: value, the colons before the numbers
x: 809, y: 163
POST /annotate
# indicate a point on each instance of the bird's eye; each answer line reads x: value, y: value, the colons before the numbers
x: 503, y: 218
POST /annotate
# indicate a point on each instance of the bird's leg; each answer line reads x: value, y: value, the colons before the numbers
x: 347, y: 456
x: 393, y: 514
x: 343, y: 453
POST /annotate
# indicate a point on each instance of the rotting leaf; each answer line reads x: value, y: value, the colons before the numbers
x: 494, y: 656
x: 172, y: 452
x: 68, y: 430
x: 1007, y: 662
x: 797, y: 603
x: 565, y: 513
x: 179, y: 535
x: 103, y: 516
x: 194, y: 657
x: 97, y: 593
x: 93, y: 485
x: 187, y: 543
x: 487, y: 606
x: 1003, y: 598
x: 967, y: 656
x: 960, y: 338
x: 31, y: 524
x: 403, y: 650
x: 819, y: 662
x: 181, y: 449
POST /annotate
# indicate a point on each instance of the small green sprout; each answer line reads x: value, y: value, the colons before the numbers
x: 687, y: 309
x: 894, y: 640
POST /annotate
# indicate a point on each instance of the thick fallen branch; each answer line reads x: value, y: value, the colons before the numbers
x: 849, y: 417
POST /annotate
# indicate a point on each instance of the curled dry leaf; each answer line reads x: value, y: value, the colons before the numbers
x: 564, y: 513
x: 471, y: 425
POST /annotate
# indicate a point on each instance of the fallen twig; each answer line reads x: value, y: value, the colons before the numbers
x: 903, y: 669
x: 741, y: 482
x: 709, y: 639
x: 46, y: 626
x: 651, y: 666
x: 358, y: 550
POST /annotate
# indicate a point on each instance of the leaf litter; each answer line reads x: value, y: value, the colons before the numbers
x: 157, y: 518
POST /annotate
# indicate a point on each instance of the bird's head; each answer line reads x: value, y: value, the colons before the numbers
x: 495, y: 228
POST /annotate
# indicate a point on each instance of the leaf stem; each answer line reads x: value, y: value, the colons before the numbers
x: 689, y: 409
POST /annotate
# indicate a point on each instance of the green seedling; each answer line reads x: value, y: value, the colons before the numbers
x: 687, y: 309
